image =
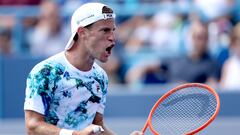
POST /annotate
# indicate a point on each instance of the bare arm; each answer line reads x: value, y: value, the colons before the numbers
x: 36, y: 125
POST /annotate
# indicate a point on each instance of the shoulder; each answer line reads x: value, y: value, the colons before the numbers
x: 46, y: 66
x: 101, y: 77
x: 98, y: 68
x: 99, y: 71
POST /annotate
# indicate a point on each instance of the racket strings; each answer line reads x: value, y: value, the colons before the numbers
x: 184, y: 111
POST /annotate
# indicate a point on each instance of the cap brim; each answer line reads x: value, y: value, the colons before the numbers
x: 70, y: 42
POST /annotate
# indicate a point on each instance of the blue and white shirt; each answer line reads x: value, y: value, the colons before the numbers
x: 67, y: 97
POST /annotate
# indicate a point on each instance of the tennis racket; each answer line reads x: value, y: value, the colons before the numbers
x: 184, y: 110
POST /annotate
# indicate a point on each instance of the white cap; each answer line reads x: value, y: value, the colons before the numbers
x: 86, y: 15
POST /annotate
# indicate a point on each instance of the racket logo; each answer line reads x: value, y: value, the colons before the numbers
x: 203, y: 99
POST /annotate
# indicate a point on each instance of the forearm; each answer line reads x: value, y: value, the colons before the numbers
x: 42, y: 128
x: 36, y: 125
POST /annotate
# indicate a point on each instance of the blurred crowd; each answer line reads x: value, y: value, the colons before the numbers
x: 180, y: 41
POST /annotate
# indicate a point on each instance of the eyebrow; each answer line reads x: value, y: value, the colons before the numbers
x: 107, y: 28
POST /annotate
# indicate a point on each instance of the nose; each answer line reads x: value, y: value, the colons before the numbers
x: 112, y: 37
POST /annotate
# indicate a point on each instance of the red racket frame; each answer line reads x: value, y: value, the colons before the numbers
x: 211, y: 90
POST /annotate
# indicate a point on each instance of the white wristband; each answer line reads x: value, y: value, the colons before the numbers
x: 65, y: 132
x: 97, y: 129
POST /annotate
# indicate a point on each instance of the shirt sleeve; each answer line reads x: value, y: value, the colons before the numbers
x: 33, y: 101
x: 102, y: 106
x: 104, y: 96
x: 39, y: 89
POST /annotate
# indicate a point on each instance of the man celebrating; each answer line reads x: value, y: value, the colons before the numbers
x: 66, y: 93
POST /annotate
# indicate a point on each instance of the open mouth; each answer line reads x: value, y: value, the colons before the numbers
x: 108, y: 49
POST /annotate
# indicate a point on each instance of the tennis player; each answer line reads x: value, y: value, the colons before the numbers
x: 66, y: 93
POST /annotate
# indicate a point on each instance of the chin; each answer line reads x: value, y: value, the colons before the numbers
x: 103, y: 60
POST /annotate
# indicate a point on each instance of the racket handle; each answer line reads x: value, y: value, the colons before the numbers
x: 145, y: 127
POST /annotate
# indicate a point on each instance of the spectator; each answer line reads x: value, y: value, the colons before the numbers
x: 160, y: 30
x: 231, y: 68
x: 197, y: 66
x: 218, y: 12
x: 49, y: 35
x: 156, y: 38
x: 5, y: 41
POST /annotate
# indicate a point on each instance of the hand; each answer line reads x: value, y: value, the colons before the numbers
x: 136, y: 133
x: 90, y: 130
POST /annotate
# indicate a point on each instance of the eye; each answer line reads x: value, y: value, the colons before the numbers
x: 106, y: 30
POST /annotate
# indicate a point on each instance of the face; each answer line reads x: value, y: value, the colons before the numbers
x: 51, y: 15
x: 235, y: 40
x: 100, y: 39
x: 200, y: 38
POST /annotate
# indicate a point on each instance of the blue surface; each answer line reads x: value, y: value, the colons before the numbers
x: 1, y: 87
x: 140, y: 105
x: 14, y: 73
x: 126, y: 110
x: 125, y: 125
x: 121, y: 102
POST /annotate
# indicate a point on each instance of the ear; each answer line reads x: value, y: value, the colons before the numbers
x: 80, y: 31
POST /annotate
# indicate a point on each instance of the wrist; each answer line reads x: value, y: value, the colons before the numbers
x: 75, y: 133
x: 66, y: 132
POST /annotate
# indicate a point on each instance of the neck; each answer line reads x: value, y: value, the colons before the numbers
x: 79, y: 61
x: 197, y: 55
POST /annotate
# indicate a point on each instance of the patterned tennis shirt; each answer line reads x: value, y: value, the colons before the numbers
x: 67, y: 97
